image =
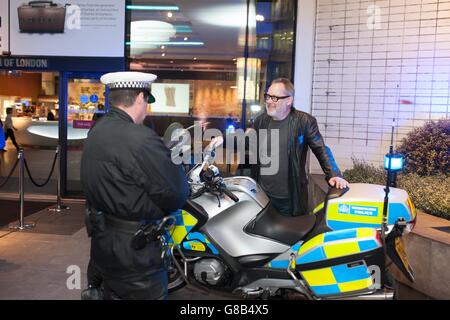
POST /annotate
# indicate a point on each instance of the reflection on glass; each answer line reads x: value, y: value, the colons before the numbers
x: 85, y: 99
x: 223, y: 52
x: 86, y: 103
x: 274, y: 36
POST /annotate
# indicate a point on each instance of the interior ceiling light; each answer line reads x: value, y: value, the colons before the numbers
x: 169, y: 14
x: 185, y: 38
x: 259, y: 18
x: 227, y: 16
x: 255, y: 108
x: 149, y: 34
x: 154, y: 44
x: 183, y: 29
x: 153, y: 8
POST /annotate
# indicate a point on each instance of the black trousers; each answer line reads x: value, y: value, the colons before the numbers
x: 9, y: 133
x: 126, y: 273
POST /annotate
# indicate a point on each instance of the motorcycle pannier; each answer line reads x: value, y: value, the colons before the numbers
x: 42, y: 17
x: 342, y: 262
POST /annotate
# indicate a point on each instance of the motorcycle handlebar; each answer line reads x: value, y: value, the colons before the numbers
x: 230, y: 194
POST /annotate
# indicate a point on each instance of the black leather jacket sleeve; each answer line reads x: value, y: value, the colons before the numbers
x: 323, y: 153
x: 164, y: 181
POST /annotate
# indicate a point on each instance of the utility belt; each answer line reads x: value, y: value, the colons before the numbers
x: 141, y: 233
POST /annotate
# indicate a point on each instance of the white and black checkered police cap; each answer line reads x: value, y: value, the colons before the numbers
x: 128, y: 80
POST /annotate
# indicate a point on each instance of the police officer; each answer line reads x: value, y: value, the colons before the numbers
x: 130, y: 184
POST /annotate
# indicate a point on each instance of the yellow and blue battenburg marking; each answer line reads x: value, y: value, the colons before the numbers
x: 198, y: 242
x: 341, y: 278
x: 282, y: 261
x: 183, y: 225
x: 180, y: 234
x: 329, y: 245
x: 364, y: 214
x: 335, y: 244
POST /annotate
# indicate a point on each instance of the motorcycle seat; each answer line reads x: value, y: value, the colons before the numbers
x: 273, y: 225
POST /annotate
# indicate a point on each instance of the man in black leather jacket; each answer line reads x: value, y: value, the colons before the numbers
x: 130, y: 183
x: 298, y: 131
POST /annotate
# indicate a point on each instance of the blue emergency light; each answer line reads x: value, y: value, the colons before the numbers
x: 397, y: 161
x: 231, y: 128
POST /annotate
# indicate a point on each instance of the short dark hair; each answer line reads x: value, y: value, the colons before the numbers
x: 9, y: 110
x: 288, y: 86
x: 124, y: 97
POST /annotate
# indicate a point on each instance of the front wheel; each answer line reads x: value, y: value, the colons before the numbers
x: 175, y: 279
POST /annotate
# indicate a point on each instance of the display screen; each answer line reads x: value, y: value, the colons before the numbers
x: 55, y: 28
x: 170, y: 98
x: 4, y: 26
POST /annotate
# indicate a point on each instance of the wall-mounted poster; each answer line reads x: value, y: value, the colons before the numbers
x: 4, y: 27
x: 75, y: 29
x: 170, y: 98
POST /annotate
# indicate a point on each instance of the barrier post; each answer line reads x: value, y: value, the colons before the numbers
x: 22, y: 225
x: 59, y: 206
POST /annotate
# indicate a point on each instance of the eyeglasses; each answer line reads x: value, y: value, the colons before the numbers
x: 274, y: 98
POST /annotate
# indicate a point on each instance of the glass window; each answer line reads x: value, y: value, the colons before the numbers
x: 86, y: 99
x: 85, y: 105
x: 213, y: 59
x: 271, y: 49
x: 32, y: 101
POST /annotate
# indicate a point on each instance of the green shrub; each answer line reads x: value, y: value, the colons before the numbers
x: 426, y: 149
x: 362, y: 172
x: 429, y: 194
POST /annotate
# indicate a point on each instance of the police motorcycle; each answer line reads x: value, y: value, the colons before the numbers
x: 228, y: 237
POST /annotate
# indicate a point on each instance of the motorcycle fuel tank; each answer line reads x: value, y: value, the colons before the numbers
x: 228, y: 219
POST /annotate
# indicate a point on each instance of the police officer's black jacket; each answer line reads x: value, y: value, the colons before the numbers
x: 303, y: 134
x: 127, y: 171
